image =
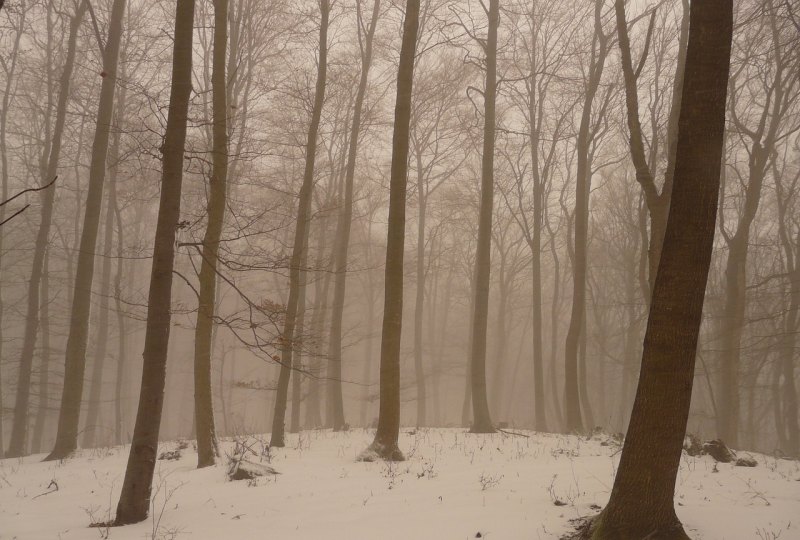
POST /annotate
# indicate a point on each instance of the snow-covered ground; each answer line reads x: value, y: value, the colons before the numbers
x: 452, y: 486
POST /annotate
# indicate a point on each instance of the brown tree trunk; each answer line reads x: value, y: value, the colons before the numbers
x: 583, y: 182
x: 207, y: 449
x: 481, y: 419
x: 419, y: 299
x: 10, y: 71
x: 385, y: 443
x: 642, y: 499
x: 17, y: 443
x: 44, y: 367
x: 297, y: 357
x: 75, y: 361
x: 134, y: 499
x: 301, y: 234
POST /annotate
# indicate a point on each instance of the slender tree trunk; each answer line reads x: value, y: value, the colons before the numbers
x: 301, y: 234
x: 75, y: 361
x: 385, y: 443
x: 95, y: 391
x: 134, y: 499
x: 583, y: 182
x: 344, y: 224
x: 419, y: 300
x: 642, y: 499
x: 297, y: 356
x: 11, y: 70
x: 481, y: 419
x: 17, y: 443
x: 207, y: 449
x: 366, y: 376
x: 44, y: 368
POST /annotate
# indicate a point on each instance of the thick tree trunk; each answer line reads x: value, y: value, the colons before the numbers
x: 641, y: 503
x: 207, y: 450
x: 301, y: 234
x: 388, y: 432
x: 134, y: 499
x: 75, y: 361
x: 481, y: 419
x: 17, y: 443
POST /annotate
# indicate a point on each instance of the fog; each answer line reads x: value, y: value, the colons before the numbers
x: 568, y: 197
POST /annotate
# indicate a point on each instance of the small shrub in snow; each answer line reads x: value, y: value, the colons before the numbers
x: 748, y: 461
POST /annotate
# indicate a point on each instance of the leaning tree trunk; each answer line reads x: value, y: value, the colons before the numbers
x: 642, y: 499
x: 19, y: 430
x: 301, y: 234
x: 134, y: 500
x: 75, y: 360
x: 481, y: 420
x: 385, y: 444
x: 345, y: 221
x: 207, y: 450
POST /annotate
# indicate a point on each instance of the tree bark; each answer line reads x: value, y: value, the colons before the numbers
x: 134, y: 499
x: 75, y: 360
x: 388, y: 432
x: 301, y: 234
x: 641, y: 503
x: 207, y: 449
x: 481, y: 419
x: 583, y: 181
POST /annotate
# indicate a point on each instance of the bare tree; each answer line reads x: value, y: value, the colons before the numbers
x: 299, y: 256
x: 17, y: 443
x: 75, y: 360
x: 642, y: 499
x: 385, y: 444
x: 134, y: 501
x: 365, y: 39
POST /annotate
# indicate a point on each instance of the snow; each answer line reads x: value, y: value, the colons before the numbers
x: 453, y: 485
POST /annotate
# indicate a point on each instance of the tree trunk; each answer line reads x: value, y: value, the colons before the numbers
x: 134, y: 499
x: 388, y: 432
x: 642, y: 499
x: 582, y: 186
x: 419, y: 300
x: 44, y: 368
x: 481, y: 419
x: 301, y: 234
x: 17, y: 443
x: 75, y: 361
x: 11, y: 69
x: 207, y: 449
x: 343, y: 226
x: 90, y: 431
x: 297, y: 357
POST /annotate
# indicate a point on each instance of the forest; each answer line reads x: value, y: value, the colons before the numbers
x: 330, y: 246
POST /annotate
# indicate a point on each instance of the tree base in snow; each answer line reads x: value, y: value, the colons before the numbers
x: 377, y: 452
x: 482, y: 428
x: 596, y: 528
